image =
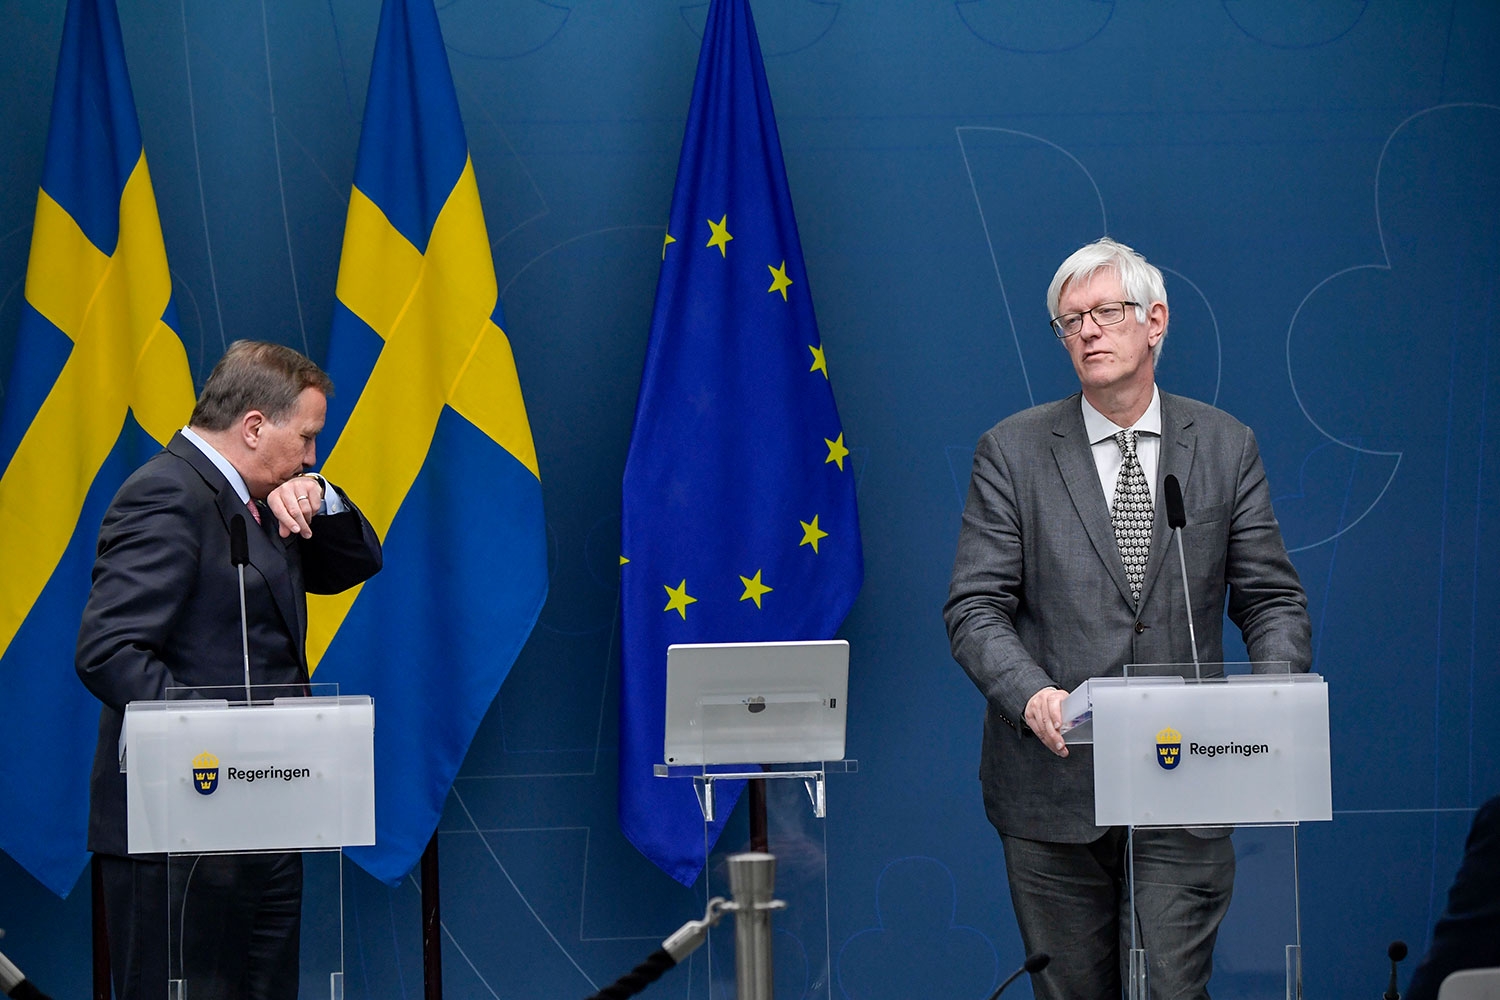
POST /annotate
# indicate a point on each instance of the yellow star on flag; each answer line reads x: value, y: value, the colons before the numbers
x: 820, y: 363
x: 836, y: 451
x: 623, y: 560
x: 779, y: 281
x: 720, y: 237
x: 678, y: 599
x: 753, y: 588
x: 811, y: 534
x: 670, y: 239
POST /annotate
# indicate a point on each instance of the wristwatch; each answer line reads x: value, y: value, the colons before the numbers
x: 322, y: 484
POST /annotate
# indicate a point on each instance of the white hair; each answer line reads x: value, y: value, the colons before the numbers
x: 1139, y: 279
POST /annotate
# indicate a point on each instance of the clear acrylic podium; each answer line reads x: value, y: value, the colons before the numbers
x: 1246, y: 747
x: 229, y: 789
x: 760, y: 712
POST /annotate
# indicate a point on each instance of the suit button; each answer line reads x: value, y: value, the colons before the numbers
x: 1139, y: 628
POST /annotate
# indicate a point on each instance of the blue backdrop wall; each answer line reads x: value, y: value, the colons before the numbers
x: 1318, y: 181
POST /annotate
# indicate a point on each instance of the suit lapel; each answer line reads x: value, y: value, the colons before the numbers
x: 267, y: 549
x: 1178, y: 443
x: 269, y: 555
x: 1075, y: 462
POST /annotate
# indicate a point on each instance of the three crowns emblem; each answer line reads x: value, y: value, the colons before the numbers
x: 205, y: 773
x: 1168, y: 748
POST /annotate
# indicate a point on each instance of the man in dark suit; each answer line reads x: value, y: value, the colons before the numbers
x: 1467, y: 935
x: 1062, y: 575
x: 164, y: 614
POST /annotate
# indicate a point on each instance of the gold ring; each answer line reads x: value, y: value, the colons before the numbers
x: 301, y: 497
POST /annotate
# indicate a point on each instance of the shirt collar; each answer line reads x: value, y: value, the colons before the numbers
x: 1099, y: 427
x: 236, y: 481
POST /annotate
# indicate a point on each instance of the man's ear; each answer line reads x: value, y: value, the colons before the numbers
x: 1156, y: 321
x: 251, y: 425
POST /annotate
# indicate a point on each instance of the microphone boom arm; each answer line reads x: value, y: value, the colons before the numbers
x: 1177, y: 520
x: 1187, y: 600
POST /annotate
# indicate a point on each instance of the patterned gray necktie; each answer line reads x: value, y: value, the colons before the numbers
x: 1132, y: 514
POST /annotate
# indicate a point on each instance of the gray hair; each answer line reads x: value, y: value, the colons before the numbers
x: 255, y: 375
x: 1139, y: 279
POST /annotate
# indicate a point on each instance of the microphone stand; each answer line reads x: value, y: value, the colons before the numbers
x: 1034, y: 964
x: 1176, y: 520
x: 239, y: 554
x: 1396, y: 952
x: 1192, y: 635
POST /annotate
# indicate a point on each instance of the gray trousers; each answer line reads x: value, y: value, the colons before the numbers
x: 1073, y: 902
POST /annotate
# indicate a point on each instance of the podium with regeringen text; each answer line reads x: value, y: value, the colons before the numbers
x: 1246, y: 746
x: 238, y: 791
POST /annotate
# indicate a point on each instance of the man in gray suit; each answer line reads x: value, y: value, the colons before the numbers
x: 1062, y: 575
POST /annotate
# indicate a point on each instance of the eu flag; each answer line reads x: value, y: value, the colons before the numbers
x: 100, y: 381
x: 431, y: 439
x: 739, y: 519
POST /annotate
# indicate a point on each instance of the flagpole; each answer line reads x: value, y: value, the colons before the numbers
x: 759, y: 840
x: 100, y: 930
x: 432, y: 924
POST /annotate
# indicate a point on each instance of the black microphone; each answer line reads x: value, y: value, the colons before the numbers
x: 239, y: 545
x: 1034, y: 964
x: 1176, y: 516
x: 239, y: 555
x: 1396, y: 952
x: 1177, y: 520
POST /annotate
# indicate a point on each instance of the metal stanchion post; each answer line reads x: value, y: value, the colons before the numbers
x: 752, y: 882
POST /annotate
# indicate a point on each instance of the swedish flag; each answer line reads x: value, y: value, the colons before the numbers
x: 430, y: 438
x: 100, y: 381
x: 739, y: 519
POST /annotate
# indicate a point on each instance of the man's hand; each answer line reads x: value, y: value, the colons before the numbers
x: 294, y: 503
x: 1044, y: 716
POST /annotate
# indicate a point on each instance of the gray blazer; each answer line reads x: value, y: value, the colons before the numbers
x: 1039, y: 596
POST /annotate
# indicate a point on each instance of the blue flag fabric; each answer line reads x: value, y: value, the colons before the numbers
x: 739, y: 517
x: 99, y: 381
x: 431, y: 440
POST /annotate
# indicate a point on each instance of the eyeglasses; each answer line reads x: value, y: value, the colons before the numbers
x: 1105, y: 314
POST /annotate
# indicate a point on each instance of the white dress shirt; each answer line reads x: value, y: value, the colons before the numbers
x: 1108, y: 458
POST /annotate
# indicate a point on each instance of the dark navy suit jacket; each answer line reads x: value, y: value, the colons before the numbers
x: 1467, y: 935
x: 164, y: 609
